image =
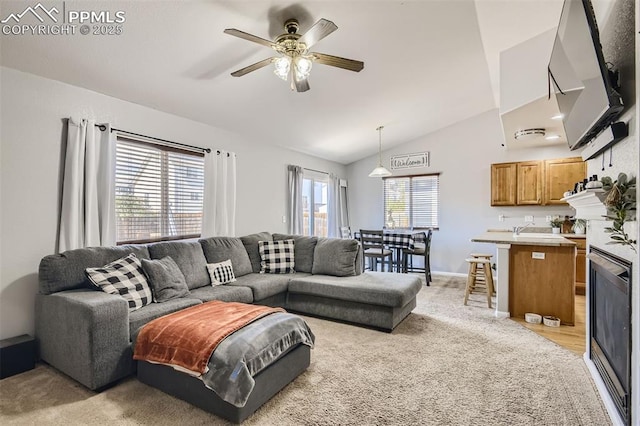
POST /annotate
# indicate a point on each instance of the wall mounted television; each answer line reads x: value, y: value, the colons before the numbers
x: 581, y: 80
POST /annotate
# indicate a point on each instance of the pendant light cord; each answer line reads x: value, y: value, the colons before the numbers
x: 379, y: 129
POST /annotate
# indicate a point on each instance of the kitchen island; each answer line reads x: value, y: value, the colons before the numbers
x: 535, y: 273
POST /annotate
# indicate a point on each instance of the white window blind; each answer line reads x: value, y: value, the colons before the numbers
x: 159, y: 192
x: 412, y: 201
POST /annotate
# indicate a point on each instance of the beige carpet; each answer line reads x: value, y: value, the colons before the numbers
x: 446, y: 364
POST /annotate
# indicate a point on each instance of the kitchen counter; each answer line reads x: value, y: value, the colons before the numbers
x: 535, y: 273
x: 528, y: 239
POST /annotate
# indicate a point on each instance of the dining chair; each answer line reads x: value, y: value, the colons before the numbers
x: 345, y: 232
x: 422, y: 248
x: 372, y: 242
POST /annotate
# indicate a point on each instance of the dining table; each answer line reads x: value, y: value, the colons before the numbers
x: 397, y: 240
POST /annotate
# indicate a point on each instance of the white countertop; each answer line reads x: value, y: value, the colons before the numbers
x: 527, y: 239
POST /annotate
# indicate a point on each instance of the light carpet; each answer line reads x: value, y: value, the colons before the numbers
x: 446, y: 364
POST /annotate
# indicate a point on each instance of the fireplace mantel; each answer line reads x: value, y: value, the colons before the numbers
x: 588, y: 204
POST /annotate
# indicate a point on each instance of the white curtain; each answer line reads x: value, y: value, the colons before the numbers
x: 294, y: 178
x: 87, y: 216
x: 334, y: 208
x: 219, y: 216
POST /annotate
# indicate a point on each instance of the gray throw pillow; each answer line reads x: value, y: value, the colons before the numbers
x: 219, y: 249
x: 335, y: 256
x: 166, y: 279
x: 304, y: 248
x: 250, y: 243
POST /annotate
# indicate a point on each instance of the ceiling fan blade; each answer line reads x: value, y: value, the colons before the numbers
x: 250, y: 37
x: 252, y: 67
x: 336, y: 61
x: 320, y: 30
x: 300, y: 85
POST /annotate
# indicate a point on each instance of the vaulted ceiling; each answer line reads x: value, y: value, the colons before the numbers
x: 428, y: 64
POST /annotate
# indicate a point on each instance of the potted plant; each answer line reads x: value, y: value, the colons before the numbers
x: 556, y: 224
x: 579, y: 226
x: 621, y: 208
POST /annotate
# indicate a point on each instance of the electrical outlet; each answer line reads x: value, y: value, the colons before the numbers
x: 500, y: 218
x: 537, y: 255
x: 528, y: 218
x: 284, y: 219
x: 548, y: 218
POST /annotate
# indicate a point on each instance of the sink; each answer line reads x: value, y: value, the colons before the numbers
x: 537, y: 235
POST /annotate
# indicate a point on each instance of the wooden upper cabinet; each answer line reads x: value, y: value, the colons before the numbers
x: 529, y: 182
x: 560, y: 176
x: 503, y: 184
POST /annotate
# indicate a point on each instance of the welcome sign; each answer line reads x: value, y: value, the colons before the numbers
x: 410, y: 161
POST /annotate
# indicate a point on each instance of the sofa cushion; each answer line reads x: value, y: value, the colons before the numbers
x: 335, y: 256
x: 219, y: 249
x: 123, y: 277
x: 375, y: 288
x: 221, y: 272
x: 188, y: 256
x: 304, y: 248
x: 66, y: 271
x: 155, y: 310
x: 251, y: 246
x: 264, y: 285
x: 277, y: 257
x: 225, y: 293
x: 165, y: 278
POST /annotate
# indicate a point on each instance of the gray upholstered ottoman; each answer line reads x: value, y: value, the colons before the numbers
x: 376, y: 299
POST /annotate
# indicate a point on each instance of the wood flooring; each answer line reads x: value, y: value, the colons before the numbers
x: 569, y: 337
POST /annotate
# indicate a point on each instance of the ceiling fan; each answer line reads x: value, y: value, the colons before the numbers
x: 294, y: 61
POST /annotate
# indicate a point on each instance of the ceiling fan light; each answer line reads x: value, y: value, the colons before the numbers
x: 303, y: 67
x: 282, y: 66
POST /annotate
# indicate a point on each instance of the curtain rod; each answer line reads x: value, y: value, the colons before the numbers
x: 102, y: 128
x: 317, y: 171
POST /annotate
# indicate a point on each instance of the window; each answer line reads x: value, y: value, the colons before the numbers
x: 159, y: 192
x: 412, y: 201
x: 314, y: 203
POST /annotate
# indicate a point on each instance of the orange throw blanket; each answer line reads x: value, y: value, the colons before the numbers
x: 187, y: 338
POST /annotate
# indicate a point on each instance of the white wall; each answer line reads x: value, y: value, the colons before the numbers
x: 463, y: 154
x: 33, y: 109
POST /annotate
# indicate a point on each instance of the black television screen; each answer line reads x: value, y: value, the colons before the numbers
x: 580, y: 77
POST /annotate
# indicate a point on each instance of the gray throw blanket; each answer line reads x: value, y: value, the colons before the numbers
x: 249, y: 350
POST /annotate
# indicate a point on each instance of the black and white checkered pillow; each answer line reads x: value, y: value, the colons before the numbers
x: 221, y: 273
x: 276, y: 257
x: 125, y: 278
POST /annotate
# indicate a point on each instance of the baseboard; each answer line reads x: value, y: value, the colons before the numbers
x: 604, y: 393
x: 449, y: 274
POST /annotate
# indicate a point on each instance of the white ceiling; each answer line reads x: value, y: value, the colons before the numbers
x: 428, y: 64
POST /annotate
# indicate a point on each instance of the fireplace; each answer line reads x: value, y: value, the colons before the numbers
x: 610, y: 325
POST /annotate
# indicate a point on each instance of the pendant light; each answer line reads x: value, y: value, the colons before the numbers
x: 380, y: 171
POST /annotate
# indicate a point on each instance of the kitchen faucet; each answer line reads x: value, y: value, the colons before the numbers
x: 518, y: 229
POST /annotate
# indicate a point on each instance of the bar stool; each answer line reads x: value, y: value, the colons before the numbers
x: 480, y: 276
x: 479, y: 266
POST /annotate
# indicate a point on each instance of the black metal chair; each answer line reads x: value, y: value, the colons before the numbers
x: 422, y: 249
x: 372, y: 242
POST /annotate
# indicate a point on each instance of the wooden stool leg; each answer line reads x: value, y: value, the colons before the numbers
x: 470, y: 280
x: 474, y: 273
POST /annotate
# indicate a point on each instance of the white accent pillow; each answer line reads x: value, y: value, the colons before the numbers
x: 221, y: 273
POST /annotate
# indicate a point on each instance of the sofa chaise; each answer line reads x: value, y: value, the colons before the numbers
x: 87, y: 333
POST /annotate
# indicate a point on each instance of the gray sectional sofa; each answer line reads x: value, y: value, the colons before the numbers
x: 87, y: 334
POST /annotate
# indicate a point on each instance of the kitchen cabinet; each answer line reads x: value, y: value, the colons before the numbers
x: 529, y: 182
x: 542, y: 182
x: 542, y: 281
x: 560, y: 175
x: 503, y: 184
x: 581, y: 264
